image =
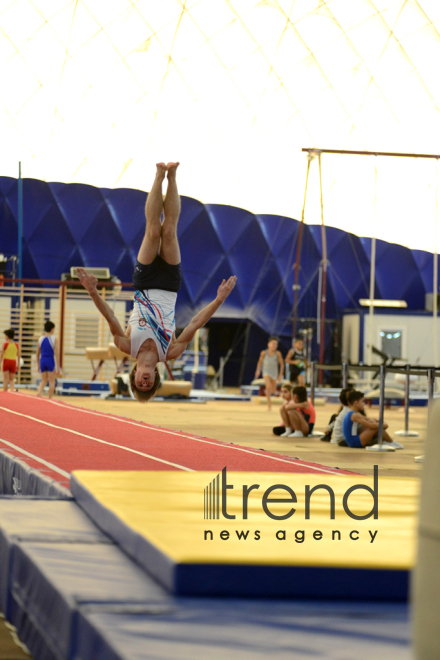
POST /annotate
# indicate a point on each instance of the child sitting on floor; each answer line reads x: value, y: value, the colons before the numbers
x: 330, y: 435
x: 299, y: 414
x: 338, y: 435
x: 286, y: 394
x: 360, y: 431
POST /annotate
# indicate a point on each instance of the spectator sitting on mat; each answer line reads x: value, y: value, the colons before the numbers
x: 272, y: 365
x: 360, y: 431
x: 10, y: 354
x: 297, y: 361
x: 327, y: 437
x: 150, y: 335
x: 286, y: 394
x: 300, y: 414
x: 334, y: 430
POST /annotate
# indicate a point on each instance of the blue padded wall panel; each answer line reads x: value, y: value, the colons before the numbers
x: 316, y: 234
x: 349, y: 275
x: 308, y: 274
x: 365, y: 245
x: 8, y: 228
x: 124, y: 266
x: 191, y: 208
x: 229, y: 222
x: 425, y: 266
x: 126, y: 207
x: 38, y: 203
x: 281, y: 235
x: 102, y: 244
x: 201, y: 254
x: 79, y: 204
x: 278, y: 231
x: 12, y: 196
x: 75, y: 259
x: 30, y: 269
x: 263, y: 307
x: 7, y: 183
x: 396, y: 270
x: 184, y: 306
x: 233, y: 307
x: 249, y: 258
x: 51, y: 243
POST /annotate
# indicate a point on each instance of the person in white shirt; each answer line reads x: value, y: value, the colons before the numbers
x: 337, y: 435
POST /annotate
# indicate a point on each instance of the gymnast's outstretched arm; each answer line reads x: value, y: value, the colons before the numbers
x: 178, y: 345
x: 89, y: 282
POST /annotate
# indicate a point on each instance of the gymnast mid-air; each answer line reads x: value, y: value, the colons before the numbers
x: 150, y: 335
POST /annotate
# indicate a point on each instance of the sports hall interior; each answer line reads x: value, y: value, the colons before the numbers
x: 308, y: 170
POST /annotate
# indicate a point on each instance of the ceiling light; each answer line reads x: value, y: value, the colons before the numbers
x: 366, y: 302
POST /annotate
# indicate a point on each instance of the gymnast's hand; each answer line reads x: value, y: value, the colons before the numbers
x: 225, y: 288
x: 88, y: 281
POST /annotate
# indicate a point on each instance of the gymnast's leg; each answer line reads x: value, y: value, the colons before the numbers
x: 153, y: 210
x: 44, y: 377
x: 52, y: 379
x: 169, y: 250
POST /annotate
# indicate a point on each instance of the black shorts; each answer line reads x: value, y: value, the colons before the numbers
x: 157, y: 275
x: 306, y: 417
x: 311, y: 424
x: 295, y: 371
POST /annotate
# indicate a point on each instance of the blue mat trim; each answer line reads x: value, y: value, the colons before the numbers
x: 323, y: 583
x: 17, y: 478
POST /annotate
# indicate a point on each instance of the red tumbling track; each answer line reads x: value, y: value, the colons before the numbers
x: 56, y: 438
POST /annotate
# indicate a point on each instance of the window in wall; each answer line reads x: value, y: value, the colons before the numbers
x: 86, y: 331
x: 391, y: 342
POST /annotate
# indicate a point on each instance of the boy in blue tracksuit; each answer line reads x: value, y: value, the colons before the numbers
x: 48, y: 358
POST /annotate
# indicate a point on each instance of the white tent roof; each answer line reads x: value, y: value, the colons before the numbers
x: 96, y: 92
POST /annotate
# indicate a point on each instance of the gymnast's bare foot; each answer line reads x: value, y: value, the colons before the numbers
x: 171, y: 170
x: 161, y: 171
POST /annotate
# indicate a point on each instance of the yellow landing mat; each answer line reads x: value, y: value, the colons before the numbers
x: 164, y: 519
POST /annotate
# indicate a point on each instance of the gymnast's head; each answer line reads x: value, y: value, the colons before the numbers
x: 144, y: 382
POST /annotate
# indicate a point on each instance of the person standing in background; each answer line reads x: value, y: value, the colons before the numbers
x: 48, y: 358
x: 10, y: 355
x: 272, y: 366
x: 297, y: 361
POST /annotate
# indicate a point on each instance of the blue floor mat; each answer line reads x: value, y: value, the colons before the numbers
x: 49, y: 581
x: 248, y: 630
x: 52, y: 521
